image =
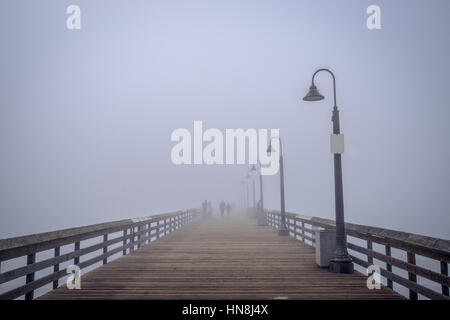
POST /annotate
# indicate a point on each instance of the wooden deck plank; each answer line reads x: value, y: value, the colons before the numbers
x: 228, y: 258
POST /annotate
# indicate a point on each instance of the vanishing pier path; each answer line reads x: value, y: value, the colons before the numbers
x: 220, y: 258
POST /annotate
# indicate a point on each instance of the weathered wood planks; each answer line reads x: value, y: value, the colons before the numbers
x: 229, y: 258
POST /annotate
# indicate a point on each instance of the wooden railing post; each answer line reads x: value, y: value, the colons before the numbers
x: 76, y: 260
x: 132, y: 239
x: 444, y: 271
x: 411, y: 276
x: 295, y: 229
x: 303, y: 231
x: 124, y: 252
x: 369, y: 247
x: 389, y: 267
x: 105, y: 248
x: 56, y: 267
x: 157, y: 229
x: 31, y: 258
x: 139, y: 229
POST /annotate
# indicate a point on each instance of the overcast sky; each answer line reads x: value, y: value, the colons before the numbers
x: 86, y: 115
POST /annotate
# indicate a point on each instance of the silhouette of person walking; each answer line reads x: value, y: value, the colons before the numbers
x: 205, y: 208
x: 222, y: 208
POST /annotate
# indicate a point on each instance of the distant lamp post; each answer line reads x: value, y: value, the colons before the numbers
x: 254, y: 193
x: 244, y: 199
x: 282, y: 229
x: 253, y: 212
x: 261, y: 217
x: 341, y: 263
x: 247, y: 177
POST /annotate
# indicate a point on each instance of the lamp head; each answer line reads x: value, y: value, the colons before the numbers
x: 313, y: 94
x: 269, y: 149
x: 253, y: 168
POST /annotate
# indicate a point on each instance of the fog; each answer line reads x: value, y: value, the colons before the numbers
x: 86, y: 115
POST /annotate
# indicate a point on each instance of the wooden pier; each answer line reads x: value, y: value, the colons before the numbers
x: 220, y: 258
x: 185, y: 255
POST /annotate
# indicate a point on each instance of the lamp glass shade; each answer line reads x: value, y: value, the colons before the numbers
x: 313, y: 94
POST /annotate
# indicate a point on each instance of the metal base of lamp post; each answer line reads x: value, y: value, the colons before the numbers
x: 341, y: 266
x: 283, y: 232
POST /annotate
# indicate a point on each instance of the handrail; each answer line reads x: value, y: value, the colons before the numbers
x: 18, y: 246
x: 412, y: 244
x: 435, y: 248
x: 136, y: 232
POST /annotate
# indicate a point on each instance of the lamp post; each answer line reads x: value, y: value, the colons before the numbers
x: 254, y: 197
x: 247, y: 177
x: 282, y: 230
x: 243, y: 193
x: 341, y: 263
x: 261, y: 217
x: 253, y: 213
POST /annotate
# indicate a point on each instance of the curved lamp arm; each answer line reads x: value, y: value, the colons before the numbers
x: 279, y: 139
x: 334, y: 81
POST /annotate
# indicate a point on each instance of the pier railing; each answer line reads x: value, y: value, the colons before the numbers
x: 304, y: 228
x: 124, y: 235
